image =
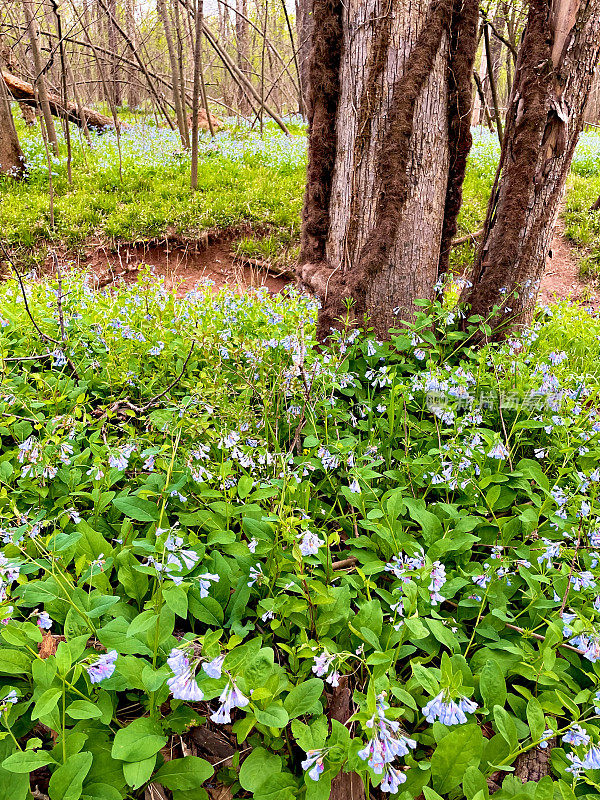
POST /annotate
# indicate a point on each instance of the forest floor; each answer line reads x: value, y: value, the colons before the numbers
x: 561, y: 279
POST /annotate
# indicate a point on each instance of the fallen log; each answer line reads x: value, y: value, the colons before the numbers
x: 25, y: 93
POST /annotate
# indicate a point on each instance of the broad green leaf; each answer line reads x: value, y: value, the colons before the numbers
x: 67, y: 782
x: 535, y: 719
x: 185, y: 773
x: 506, y: 726
x: 136, y: 508
x: 46, y: 702
x: 492, y: 685
x: 140, y: 740
x: 457, y: 751
x: 303, y: 698
x: 27, y: 761
x: 275, y: 716
x: 137, y: 773
x: 83, y: 709
x: 257, y: 768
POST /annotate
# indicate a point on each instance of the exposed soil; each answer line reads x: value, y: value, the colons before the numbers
x: 185, y: 266
x: 182, y: 266
x: 561, y: 278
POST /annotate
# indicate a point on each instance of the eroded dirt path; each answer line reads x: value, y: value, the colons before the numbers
x: 561, y: 279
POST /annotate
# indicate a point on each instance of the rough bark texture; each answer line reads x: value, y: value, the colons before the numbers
x: 372, y: 232
x: 304, y: 28
x: 560, y: 48
x: 534, y: 765
x: 460, y: 99
x: 11, y: 156
x: 347, y: 785
x: 24, y: 92
x: 323, y: 100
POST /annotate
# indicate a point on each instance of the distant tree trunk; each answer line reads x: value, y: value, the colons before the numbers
x: 112, y: 46
x: 11, y: 155
x: 179, y: 112
x: 241, y: 40
x: 133, y: 96
x: 560, y: 48
x: 389, y: 111
x: 304, y: 25
x: 592, y: 110
x: 40, y: 83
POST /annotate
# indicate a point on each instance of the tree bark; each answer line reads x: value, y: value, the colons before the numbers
x: 560, y: 48
x: 380, y: 126
x: 304, y: 27
x: 179, y: 111
x: 241, y: 41
x: 11, y: 156
x: 40, y: 83
x: 25, y: 93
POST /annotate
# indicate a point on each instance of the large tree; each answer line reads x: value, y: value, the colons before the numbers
x: 554, y: 75
x: 11, y: 156
x: 389, y: 115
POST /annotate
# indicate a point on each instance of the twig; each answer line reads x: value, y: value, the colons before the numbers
x: 463, y: 239
x: 61, y: 317
x: 41, y: 333
x: 171, y: 385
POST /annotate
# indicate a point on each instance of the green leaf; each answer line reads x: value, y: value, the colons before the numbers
x: 275, y: 716
x: 473, y: 782
x: 443, y: 634
x: 257, y: 768
x: 303, y: 698
x: 27, y: 761
x: 13, y: 662
x: 67, y: 782
x: 506, y: 727
x: 83, y: 709
x: 278, y: 787
x: 459, y: 750
x: 189, y: 772
x: 137, y: 773
x: 140, y: 740
x: 535, y: 719
x: 492, y: 685
x: 46, y: 702
x: 136, y: 508
x: 101, y: 791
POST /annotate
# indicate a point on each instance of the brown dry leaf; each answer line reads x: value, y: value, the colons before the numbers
x: 220, y: 793
x: 47, y: 647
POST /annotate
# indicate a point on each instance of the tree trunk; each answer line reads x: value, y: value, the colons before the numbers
x: 25, y: 93
x: 133, y: 97
x: 560, y: 48
x: 390, y: 91
x: 11, y: 156
x: 181, y: 120
x: 304, y: 26
x: 242, y: 54
x: 112, y: 46
x: 40, y: 83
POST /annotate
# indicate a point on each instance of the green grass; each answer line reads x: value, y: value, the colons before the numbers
x: 245, y: 182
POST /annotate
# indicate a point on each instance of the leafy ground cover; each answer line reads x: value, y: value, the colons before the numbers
x: 136, y: 188
x: 206, y: 521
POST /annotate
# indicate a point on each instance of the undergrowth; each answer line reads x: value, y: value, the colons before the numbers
x: 208, y: 524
